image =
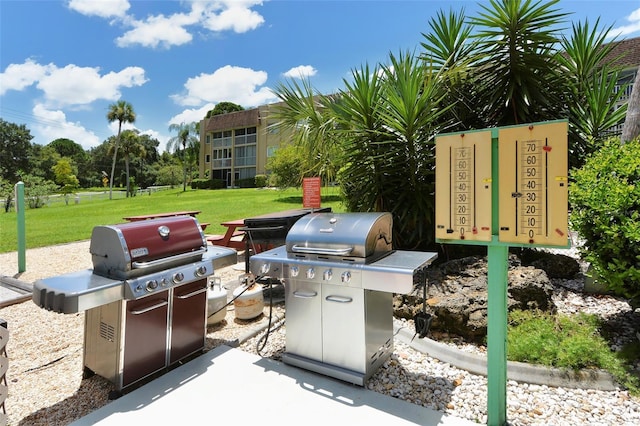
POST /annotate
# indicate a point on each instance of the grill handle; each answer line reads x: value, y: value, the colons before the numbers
x: 305, y: 294
x: 339, y: 299
x: 321, y: 250
x: 193, y: 293
x: 150, y: 308
x: 177, y: 257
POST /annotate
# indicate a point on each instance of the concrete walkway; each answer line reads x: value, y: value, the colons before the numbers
x: 229, y: 386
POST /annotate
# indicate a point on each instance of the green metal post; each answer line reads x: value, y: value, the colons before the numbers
x: 497, y: 278
x: 22, y: 245
x: 497, y: 335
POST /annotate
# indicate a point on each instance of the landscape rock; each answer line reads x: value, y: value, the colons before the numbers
x: 457, y: 295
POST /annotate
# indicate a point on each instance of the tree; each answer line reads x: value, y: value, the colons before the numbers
x: 43, y: 159
x: 286, y: 165
x: 131, y: 147
x: 224, y: 108
x: 67, y: 148
x: 592, y: 90
x: 306, y: 115
x: 383, y: 125
x: 122, y: 112
x: 186, y: 138
x: 66, y: 177
x: 516, y: 72
x: 80, y: 157
x: 15, y: 146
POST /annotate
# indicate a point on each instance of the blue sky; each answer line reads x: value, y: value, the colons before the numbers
x: 62, y: 63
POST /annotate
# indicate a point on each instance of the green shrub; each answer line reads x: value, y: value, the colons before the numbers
x: 261, y: 181
x: 605, y: 202
x: 246, y: 183
x: 37, y: 190
x: 562, y: 341
x: 207, y: 184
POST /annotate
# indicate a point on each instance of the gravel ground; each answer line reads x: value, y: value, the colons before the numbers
x: 45, y: 352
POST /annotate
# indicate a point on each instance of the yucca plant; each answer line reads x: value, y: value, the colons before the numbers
x: 516, y: 71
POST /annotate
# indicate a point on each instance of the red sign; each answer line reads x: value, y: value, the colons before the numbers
x: 311, y: 192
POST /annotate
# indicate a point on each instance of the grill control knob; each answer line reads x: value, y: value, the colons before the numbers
x: 311, y: 273
x: 265, y: 268
x: 178, y: 277
x: 294, y: 271
x: 327, y: 275
x: 152, y: 285
x: 345, y: 277
x: 201, y: 271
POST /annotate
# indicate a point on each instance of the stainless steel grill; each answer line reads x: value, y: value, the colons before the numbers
x: 145, y: 298
x: 340, y: 272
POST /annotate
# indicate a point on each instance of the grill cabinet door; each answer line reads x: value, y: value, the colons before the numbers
x: 304, y: 319
x: 343, y: 328
x: 188, y: 320
x: 145, y: 337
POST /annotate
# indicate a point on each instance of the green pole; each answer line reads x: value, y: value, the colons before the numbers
x: 497, y: 277
x: 497, y: 335
x: 22, y: 245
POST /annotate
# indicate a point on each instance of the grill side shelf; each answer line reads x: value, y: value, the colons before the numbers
x: 394, y: 273
x: 76, y: 292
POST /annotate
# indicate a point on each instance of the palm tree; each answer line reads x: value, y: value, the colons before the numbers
x: 593, y: 94
x: 122, y: 112
x: 516, y: 73
x: 186, y: 138
x: 131, y: 147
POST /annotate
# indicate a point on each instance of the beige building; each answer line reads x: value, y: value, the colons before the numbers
x: 236, y: 146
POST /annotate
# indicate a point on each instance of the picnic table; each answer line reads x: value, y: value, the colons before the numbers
x: 193, y: 213
x: 233, y: 237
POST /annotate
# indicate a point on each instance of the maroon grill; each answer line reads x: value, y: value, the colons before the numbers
x: 145, y: 298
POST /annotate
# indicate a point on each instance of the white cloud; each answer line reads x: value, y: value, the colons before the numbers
x: 191, y: 115
x: 229, y: 83
x: 175, y: 29
x: 301, y: 71
x: 19, y: 76
x: 101, y: 8
x: 53, y: 124
x: 231, y: 15
x: 633, y: 27
x: 74, y: 85
x: 158, y: 30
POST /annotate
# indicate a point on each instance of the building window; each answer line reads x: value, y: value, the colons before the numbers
x: 207, y: 158
x: 246, y: 173
x: 222, y: 139
x: 221, y: 158
x: 208, y: 139
x: 245, y: 136
x: 245, y: 155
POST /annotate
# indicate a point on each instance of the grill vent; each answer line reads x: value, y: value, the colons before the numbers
x: 107, y: 331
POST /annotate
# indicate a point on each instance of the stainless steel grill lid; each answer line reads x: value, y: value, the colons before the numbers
x: 356, y: 235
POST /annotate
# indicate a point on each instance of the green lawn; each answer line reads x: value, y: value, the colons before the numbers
x: 60, y: 223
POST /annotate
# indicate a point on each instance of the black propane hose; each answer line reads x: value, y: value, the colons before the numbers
x: 232, y: 300
x: 265, y: 337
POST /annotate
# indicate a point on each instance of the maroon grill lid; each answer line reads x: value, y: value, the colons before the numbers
x: 115, y: 249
